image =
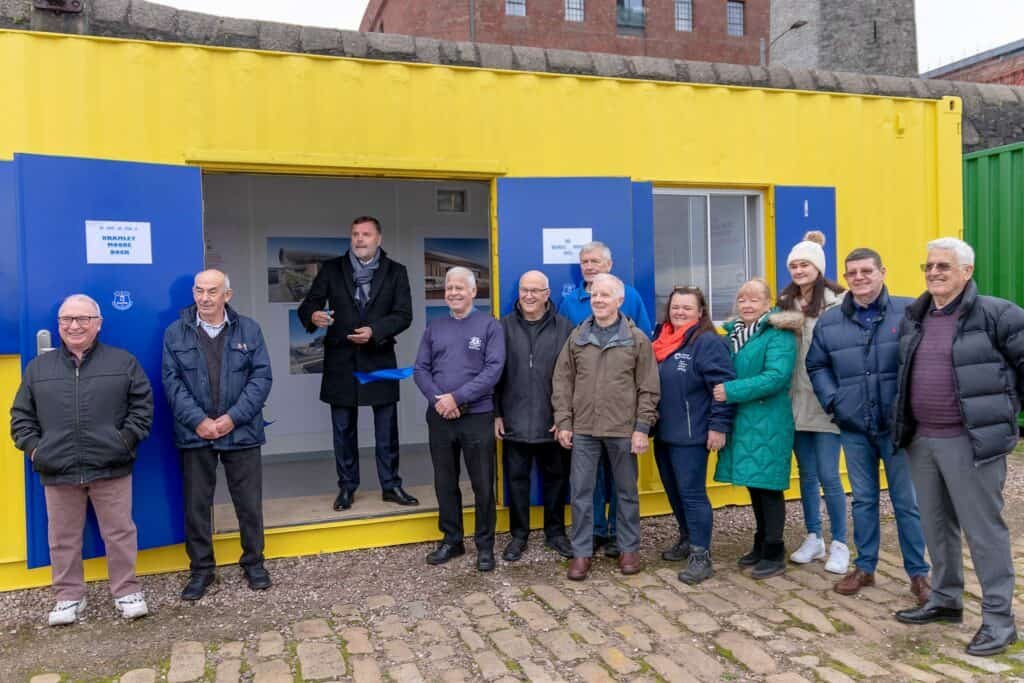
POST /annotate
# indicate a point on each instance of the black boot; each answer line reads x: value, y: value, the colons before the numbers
x: 772, y: 563
x: 754, y: 556
x: 699, y: 567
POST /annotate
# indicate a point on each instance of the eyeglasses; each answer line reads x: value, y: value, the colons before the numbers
x: 863, y: 272
x: 940, y: 267
x: 531, y: 292
x: 82, y: 320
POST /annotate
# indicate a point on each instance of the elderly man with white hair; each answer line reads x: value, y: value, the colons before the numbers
x: 79, y: 414
x: 458, y: 364
x: 960, y: 379
x: 605, y: 395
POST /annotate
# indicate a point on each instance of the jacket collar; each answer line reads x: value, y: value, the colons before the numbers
x: 623, y: 334
x: 190, y: 313
x: 549, y: 312
x: 849, y: 306
x: 917, y: 310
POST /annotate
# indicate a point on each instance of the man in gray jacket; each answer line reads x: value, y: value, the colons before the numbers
x: 523, y: 418
x: 79, y: 414
x: 958, y: 396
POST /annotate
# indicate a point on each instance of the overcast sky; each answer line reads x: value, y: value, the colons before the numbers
x: 947, y: 30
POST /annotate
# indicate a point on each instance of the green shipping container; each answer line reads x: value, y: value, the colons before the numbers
x: 994, y: 220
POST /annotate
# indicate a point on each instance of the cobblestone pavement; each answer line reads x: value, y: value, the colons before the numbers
x: 647, y: 627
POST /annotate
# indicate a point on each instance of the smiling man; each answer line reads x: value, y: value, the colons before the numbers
x: 459, y: 361
x: 960, y: 381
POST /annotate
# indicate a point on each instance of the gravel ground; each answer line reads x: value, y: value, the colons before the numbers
x: 311, y: 586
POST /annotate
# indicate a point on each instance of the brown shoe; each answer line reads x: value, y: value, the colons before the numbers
x: 579, y: 567
x: 629, y: 563
x: 921, y: 589
x: 853, y: 582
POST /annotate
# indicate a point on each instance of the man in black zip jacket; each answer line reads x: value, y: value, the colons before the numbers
x: 960, y: 378
x: 79, y: 414
x: 523, y: 418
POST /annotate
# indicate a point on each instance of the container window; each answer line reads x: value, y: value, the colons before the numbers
x: 734, y: 18
x: 574, y: 10
x: 684, y: 15
x: 515, y: 8
x: 709, y: 239
x: 451, y: 201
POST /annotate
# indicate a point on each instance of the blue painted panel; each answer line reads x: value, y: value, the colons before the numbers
x: 797, y: 210
x: 56, y: 195
x: 8, y: 262
x: 643, y: 245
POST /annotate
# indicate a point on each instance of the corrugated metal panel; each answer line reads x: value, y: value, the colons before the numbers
x: 994, y: 219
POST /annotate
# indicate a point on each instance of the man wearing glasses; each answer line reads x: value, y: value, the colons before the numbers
x: 79, y: 414
x: 960, y: 380
x: 852, y: 363
x: 216, y: 373
x: 523, y: 417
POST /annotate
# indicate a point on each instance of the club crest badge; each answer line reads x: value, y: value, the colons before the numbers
x: 475, y: 343
x: 122, y: 300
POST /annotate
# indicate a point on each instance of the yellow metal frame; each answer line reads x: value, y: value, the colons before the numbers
x: 895, y: 164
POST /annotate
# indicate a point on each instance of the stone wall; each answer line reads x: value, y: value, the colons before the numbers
x: 993, y: 114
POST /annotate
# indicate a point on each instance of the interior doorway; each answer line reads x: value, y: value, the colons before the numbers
x: 270, y: 233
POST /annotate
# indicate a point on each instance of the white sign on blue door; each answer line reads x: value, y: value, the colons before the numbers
x: 118, y: 242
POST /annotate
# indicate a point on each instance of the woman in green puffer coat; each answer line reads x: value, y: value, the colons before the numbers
x: 759, y: 454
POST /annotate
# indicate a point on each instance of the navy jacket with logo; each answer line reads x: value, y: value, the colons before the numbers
x: 687, y: 411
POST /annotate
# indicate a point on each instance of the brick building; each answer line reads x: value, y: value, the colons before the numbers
x: 705, y: 30
x: 1000, y: 65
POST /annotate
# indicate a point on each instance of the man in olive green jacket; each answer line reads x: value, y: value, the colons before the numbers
x: 605, y: 395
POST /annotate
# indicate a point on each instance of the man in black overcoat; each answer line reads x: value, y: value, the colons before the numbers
x: 363, y: 299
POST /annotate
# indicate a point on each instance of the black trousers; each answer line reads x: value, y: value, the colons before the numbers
x: 553, y: 463
x: 770, y: 514
x: 472, y: 437
x: 244, y: 472
x: 345, y: 421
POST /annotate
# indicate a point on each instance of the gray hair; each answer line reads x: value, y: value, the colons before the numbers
x: 606, y: 253
x: 608, y: 278
x: 547, y: 283
x: 227, y: 280
x: 464, y: 273
x: 85, y: 298
x: 964, y: 252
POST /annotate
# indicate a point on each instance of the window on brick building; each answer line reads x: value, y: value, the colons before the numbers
x: 734, y: 18
x: 630, y: 13
x: 684, y: 15
x: 574, y: 10
x: 515, y: 8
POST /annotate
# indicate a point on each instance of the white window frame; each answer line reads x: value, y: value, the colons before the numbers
x: 742, y: 6
x: 515, y: 8
x: 684, y: 24
x: 575, y: 8
x: 707, y: 193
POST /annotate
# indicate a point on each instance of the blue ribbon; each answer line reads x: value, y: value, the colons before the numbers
x: 383, y: 375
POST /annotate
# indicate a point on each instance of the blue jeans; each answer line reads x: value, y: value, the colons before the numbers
x: 684, y: 474
x: 817, y: 458
x: 604, y: 524
x: 862, y: 456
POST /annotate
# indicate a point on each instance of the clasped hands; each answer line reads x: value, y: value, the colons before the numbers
x: 211, y: 429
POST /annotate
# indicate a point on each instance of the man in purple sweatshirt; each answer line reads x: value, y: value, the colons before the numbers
x: 460, y: 359
x: 959, y: 385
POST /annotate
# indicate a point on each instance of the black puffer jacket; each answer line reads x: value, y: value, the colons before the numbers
x: 523, y: 395
x: 83, y: 423
x: 988, y: 368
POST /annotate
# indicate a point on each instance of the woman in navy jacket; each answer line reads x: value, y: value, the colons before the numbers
x: 692, y: 359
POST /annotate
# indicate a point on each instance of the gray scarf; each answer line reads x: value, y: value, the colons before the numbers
x: 363, y: 276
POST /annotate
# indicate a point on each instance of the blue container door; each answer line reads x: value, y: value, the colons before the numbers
x: 797, y: 210
x: 72, y: 217
x: 9, y: 313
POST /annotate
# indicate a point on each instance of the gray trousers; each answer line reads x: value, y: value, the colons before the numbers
x: 953, y: 495
x: 586, y: 458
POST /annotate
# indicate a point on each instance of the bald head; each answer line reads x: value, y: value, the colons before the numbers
x: 534, y: 292
x: 211, y: 290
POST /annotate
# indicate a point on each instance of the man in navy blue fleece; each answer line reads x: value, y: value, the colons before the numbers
x: 460, y: 359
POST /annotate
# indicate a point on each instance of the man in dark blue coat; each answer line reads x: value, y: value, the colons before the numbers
x: 216, y: 374
x: 852, y: 364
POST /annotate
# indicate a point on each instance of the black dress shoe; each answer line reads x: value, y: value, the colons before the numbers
x: 484, y: 560
x: 445, y: 552
x: 928, y: 615
x: 398, y: 495
x: 612, y: 548
x: 561, y: 545
x: 986, y: 643
x: 197, y: 585
x: 514, y: 550
x: 258, y: 577
x: 599, y: 542
x: 343, y: 501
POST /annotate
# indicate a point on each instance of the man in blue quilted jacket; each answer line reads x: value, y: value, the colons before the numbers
x: 852, y: 363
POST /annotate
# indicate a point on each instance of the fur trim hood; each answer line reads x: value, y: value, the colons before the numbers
x: 787, y: 320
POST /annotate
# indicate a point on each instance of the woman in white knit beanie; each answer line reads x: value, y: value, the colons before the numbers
x: 816, y: 443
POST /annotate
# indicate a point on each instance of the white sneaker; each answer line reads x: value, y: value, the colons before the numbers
x: 132, y: 606
x: 838, y: 558
x: 66, y: 612
x: 813, y: 548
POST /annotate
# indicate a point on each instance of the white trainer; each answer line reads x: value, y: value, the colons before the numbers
x: 838, y: 558
x: 66, y: 612
x: 131, y: 606
x: 813, y: 548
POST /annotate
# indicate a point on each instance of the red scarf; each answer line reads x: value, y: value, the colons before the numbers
x: 669, y: 339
